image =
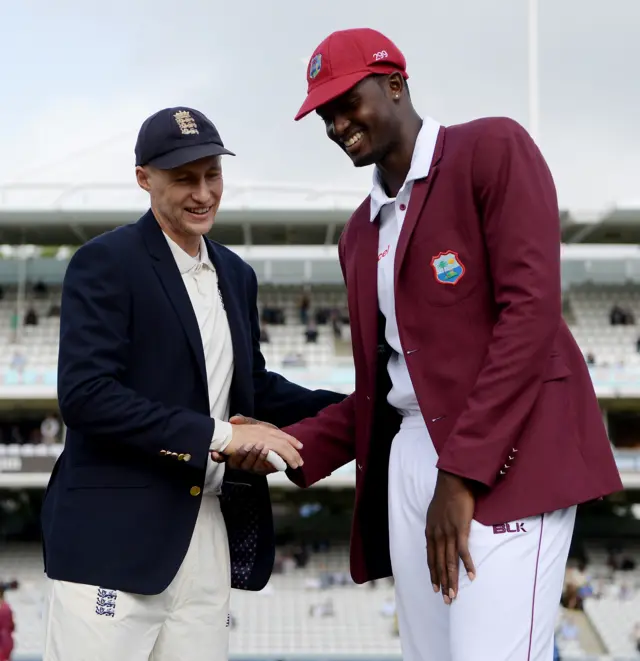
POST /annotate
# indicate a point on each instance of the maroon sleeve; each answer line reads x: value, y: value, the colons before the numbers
x: 328, y: 439
x: 517, y: 202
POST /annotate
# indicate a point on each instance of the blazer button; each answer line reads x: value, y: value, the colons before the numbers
x: 185, y: 457
x: 163, y: 452
x: 195, y: 491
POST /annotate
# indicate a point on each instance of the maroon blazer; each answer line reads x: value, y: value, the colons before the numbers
x: 501, y: 383
x: 6, y: 631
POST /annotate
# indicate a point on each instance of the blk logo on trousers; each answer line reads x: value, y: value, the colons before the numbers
x: 503, y: 528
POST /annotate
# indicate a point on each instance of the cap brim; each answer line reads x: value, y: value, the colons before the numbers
x: 178, y: 157
x: 329, y: 91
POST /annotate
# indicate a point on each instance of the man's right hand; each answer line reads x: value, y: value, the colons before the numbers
x: 251, y: 433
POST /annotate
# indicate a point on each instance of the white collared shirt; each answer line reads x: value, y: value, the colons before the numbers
x: 392, y: 211
x: 201, y: 282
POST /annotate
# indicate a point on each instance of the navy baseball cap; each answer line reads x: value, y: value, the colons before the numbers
x: 175, y: 136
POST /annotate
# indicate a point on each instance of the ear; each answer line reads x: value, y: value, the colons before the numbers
x: 396, y: 85
x: 142, y: 177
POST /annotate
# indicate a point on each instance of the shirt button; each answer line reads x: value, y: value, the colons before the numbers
x: 403, y: 207
x: 194, y: 491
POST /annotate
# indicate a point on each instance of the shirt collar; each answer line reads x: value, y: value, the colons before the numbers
x: 419, y: 169
x: 184, y: 260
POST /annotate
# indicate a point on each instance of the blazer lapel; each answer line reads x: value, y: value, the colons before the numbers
x: 238, y: 329
x: 419, y: 195
x: 165, y: 267
x: 366, y: 287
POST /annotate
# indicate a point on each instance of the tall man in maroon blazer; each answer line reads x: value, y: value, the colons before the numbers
x: 474, y: 424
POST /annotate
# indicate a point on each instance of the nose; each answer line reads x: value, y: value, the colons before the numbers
x: 201, y: 192
x: 339, y: 126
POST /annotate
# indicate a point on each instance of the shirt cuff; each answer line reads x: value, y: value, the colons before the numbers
x: 222, y: 433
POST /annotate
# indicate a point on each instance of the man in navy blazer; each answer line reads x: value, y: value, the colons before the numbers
x: 159, y: 342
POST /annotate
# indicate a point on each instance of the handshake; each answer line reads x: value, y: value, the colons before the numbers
x: 259, y: 447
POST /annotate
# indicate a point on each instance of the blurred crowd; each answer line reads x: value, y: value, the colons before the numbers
x: 47, y: 431
x: 618, y: 580
x: 581, y: 583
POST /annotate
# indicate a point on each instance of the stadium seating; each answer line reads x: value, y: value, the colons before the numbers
x: 614, y: 610
x: 614, y: 620
x: 590, y: 308
x: 297, y: 613
x: 38, y: 344
x: 23, y: 562
x: 289, y: 340
x: 278, y: 618
x: 587, y: 310
x: 318, y: 611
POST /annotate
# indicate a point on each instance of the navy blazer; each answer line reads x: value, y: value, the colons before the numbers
x: 119, y: 511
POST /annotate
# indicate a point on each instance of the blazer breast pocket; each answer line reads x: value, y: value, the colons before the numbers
x: 448, y: 278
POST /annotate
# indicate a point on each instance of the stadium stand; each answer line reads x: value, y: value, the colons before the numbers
x: 316, y: 610
x: 611, y: 585
x: 23, y: 563
x: 288, y: 331
x: 605, y: 322
x: 33, y: 338
x: 310, y: 610
x: 312, y: 320
x: 614, y: 620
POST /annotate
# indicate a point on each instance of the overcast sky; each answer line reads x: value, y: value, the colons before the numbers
x: 79, y: 77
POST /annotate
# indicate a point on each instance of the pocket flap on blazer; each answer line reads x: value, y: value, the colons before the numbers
x: 113, y: 477
x: 556, y: 369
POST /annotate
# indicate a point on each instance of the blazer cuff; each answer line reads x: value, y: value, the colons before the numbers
x: 222, y: 434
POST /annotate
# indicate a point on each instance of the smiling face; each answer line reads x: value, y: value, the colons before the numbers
x: 184, y: 200
x: 365, y: 122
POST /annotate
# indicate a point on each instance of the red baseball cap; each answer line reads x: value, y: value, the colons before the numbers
x: 345, y: 58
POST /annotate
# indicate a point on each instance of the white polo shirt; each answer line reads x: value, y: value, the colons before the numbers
x: 201, y: 282
x: 392, y: 212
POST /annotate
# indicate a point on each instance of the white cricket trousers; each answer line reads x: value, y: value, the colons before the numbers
x: 508, y: 613
x: 189, y: 620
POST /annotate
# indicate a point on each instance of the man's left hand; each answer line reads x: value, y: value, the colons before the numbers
x: 448, y: 524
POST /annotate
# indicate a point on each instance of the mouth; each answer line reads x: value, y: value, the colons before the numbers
x: 353, y: 142
x: 198, y: 211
